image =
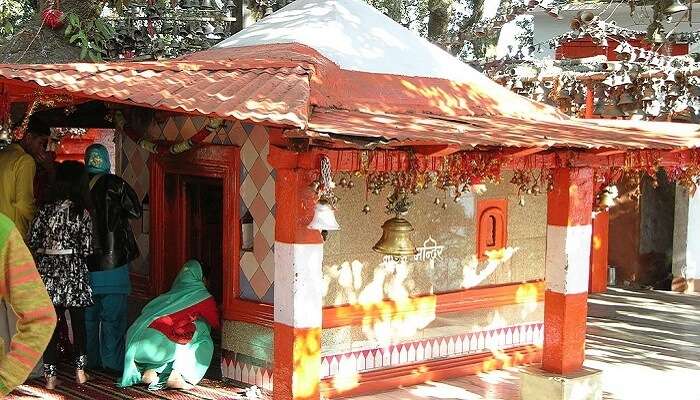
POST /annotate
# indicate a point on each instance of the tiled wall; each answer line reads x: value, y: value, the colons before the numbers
x: 257, y: 193
x: 134, y: 169
x: 248, y: 353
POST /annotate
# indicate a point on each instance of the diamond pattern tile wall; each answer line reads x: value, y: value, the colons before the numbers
x: 257, y: 194
x: 134, y: 170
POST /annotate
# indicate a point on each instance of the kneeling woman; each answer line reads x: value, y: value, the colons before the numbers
x: 170, y: 344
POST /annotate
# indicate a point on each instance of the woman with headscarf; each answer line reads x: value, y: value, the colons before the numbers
x: 170, y: 344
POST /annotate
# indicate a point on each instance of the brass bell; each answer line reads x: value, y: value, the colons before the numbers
x: 607, y: 197
x: 648, y: 93
x: 324, y: 217
x: 396, y: 238
x: 564, y: 94
x: 673, y: 90
x: 673, y: 7
x: 586, y: 17
x: 626, y: 99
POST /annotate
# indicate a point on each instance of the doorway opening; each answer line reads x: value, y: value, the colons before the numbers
x: 194, y: 202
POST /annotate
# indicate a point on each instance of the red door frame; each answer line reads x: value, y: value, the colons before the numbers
x: 210, y: 161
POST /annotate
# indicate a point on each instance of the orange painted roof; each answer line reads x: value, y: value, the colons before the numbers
x: 281, y: 83
x: 469, y: 132
x: 268, y: 92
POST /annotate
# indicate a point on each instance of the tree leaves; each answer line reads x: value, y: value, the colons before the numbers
x: 91, y: 36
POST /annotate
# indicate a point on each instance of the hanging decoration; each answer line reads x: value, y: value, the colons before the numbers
x: 211, y: 127
x: 52, y: 16
x: 324, y: 212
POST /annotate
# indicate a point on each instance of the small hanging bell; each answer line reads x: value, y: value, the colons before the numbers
x: 673, y: 6
x: 324, y: 217
x: 206, y: 5
x: 607, y: 197
x: 396, y: 238
x: 564, y: 94
x: 648, y: 93
x: 626, y: 99
x: 673, y: 90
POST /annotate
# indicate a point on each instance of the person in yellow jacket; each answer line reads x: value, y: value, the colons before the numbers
x: 22, y: 288
x: 18, y: 167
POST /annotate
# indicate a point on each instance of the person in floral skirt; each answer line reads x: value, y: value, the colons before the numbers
x: 61, y: 239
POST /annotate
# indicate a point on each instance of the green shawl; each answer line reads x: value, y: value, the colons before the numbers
x: 187, y: 290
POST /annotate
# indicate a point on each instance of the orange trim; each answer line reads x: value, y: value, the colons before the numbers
x: 413, y: 374
x: 598, y: 282
x: 571, y: 201
x: 297, y: 364
x: 564, y: 332
x: 251, y: 312
x: 464, y: 300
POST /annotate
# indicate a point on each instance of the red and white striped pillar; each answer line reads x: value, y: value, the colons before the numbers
x: 298, y: 290
x: 569, y: 211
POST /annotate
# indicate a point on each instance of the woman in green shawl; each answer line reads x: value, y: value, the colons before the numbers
x: 170, y: 344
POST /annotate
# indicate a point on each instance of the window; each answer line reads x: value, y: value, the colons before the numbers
x: 492, y: 225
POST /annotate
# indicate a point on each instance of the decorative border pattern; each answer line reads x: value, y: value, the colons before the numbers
x: 430, y: 349
x: 247, y: 370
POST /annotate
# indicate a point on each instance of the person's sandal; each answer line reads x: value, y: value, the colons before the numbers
x: 50, y: 376
x: 80, y: 376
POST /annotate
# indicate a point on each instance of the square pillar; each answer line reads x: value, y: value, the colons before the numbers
x: 569, y: 211
x: 686, y: 242
x: 298, y: 290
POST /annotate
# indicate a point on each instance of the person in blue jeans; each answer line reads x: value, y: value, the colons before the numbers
x: 112, y: 203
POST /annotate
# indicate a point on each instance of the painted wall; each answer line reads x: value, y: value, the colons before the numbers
x: 257, y: 192
x: 353, y: 273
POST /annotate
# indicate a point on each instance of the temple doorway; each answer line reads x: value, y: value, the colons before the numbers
x: 194, y: 215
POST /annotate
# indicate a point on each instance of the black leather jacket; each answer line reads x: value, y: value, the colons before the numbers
x: 112, y: 204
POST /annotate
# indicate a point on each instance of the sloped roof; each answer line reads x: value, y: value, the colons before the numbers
x: 339, y: 68
x: 269, y: 93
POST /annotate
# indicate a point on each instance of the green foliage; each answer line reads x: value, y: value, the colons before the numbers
x: 13, y: 13
x: 91, y: 36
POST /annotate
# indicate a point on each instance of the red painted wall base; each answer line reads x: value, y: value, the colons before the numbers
x: 416, y: 373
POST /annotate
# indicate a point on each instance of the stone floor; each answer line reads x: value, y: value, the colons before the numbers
x: 647, y: 344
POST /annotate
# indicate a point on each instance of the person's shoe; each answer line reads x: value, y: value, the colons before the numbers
x: 52, y: 382
x: 50, y: 373
x: 149, y: 377
x: 81, y: 377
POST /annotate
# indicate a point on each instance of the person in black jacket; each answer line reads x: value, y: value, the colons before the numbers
x: 112, y: 203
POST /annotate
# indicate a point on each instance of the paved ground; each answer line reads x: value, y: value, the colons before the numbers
x: 646, y: 343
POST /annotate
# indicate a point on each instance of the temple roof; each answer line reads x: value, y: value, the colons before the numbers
x: 339, y: 71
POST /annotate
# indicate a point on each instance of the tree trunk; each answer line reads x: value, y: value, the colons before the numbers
x: 36, y: 43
